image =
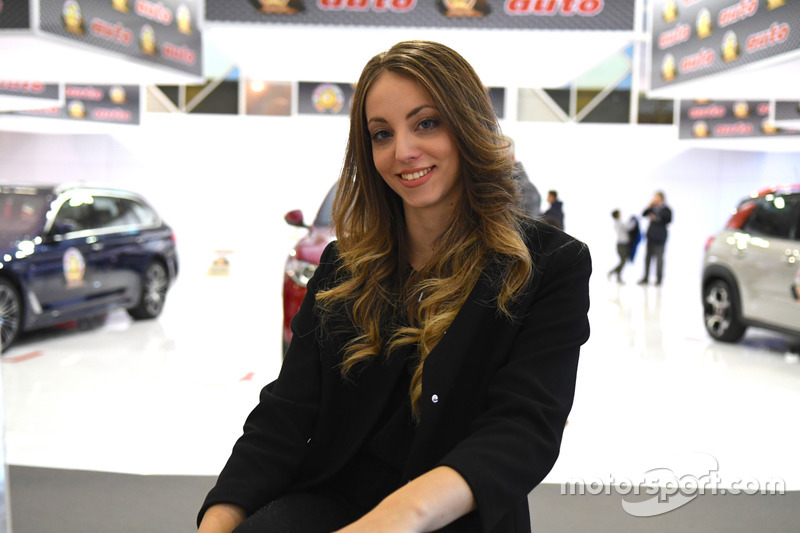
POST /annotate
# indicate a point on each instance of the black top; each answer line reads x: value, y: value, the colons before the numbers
x: 495, y: 395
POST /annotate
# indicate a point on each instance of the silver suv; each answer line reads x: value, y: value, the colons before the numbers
x: 751, y: 269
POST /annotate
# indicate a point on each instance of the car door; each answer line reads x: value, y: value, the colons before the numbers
x: 60, y: 275
x: 773, y: 261
x: 117, y: 256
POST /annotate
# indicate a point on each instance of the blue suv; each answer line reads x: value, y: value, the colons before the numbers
x: 74, y: 251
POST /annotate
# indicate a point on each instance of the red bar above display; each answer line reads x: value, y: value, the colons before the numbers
x: 482, y: 14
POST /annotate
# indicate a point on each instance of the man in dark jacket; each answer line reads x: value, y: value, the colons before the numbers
x: 660, y: 215
x: 555, y: 213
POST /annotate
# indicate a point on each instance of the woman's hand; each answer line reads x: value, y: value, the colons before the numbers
x: 427, y: 503
x: 222, y: 518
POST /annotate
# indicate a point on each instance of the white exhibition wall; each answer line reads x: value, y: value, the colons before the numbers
x: 225, y: 182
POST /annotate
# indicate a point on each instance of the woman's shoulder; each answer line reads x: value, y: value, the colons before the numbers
x: 545, y: 239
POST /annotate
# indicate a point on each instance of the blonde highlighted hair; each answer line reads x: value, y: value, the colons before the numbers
x: 386, y: 308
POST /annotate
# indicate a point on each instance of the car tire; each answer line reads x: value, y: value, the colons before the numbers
x: 10, y: 314
x: 721, y: 312
x: 155, y: 282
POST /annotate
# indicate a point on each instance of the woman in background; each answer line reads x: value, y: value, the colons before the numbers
x: 433, y: 361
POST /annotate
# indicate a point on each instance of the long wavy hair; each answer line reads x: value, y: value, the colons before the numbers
x: 387, y: 307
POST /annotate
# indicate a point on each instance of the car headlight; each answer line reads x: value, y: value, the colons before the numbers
x: 300, y: 271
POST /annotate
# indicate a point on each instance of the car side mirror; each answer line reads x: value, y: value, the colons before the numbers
x: 295, y: 218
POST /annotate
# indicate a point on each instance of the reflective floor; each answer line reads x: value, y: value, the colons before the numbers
x: 169, y: 396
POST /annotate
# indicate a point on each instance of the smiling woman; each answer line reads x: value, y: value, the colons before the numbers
x: 437, y: 273
x: 416, y: 154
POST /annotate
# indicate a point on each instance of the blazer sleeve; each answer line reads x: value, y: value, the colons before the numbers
x: 274, y: 442
x: 515, y: 441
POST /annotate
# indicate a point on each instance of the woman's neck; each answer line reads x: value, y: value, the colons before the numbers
x: 422, y: 233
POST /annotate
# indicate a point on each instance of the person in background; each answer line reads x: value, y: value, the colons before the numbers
x: 660, y: 216
x: 435, y: 272
x: 531, y: 199
x: 623, y: 232
x: 555, y: 213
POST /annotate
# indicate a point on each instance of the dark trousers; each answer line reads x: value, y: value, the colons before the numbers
x: 623, y: 251
x: 298, y: 513
x: 655, y: 251
x: 348, y: 496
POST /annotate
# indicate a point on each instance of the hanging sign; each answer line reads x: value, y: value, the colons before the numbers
x: 485, y: 14
x: 691, y: 39
x: 15, y: 95
x: 727, y: 119
x: 112, y: 104
x: 162, y: 33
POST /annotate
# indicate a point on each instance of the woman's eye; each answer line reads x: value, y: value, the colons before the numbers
x: 379, y: 135
x: 428, y: 124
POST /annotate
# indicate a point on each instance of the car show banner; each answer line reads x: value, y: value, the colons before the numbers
x: 161, y: 34
x: 483, y: 14
x: 324, y: 98
x: 701, y: 119
x: 329, y: 98
x: 115, y: 104
x: 691, y: 39
x: 15, y: 15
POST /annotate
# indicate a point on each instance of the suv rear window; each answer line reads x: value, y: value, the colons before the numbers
x: 776, y: 216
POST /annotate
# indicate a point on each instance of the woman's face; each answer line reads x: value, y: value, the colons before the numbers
x: 414, y: 151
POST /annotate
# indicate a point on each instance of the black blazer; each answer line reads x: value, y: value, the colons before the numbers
x: 495, y: 398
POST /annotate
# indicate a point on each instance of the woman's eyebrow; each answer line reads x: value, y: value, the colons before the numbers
x: 408, y: 116
x: 417, y: 110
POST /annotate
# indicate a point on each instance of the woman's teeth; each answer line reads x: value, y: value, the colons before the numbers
x: 415, y: 175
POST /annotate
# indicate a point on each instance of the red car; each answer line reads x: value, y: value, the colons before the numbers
x: 304, y: 259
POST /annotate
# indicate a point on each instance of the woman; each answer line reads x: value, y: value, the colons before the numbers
x: 433, y: 361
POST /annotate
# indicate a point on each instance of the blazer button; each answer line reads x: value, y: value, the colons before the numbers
x: 308, y: 441
x: 435, y: 398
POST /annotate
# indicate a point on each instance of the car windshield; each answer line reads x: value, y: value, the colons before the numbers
x: 21, y: 214
x: 323, y: 218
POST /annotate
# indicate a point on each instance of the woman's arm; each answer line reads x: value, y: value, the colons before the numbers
x: 222, y: 518
x: 426, y: 503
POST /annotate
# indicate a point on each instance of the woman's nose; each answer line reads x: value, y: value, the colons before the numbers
x: 406, y: 147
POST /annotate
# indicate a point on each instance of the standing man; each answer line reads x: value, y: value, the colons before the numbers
x: 659, y: 214
x: 555, y: 213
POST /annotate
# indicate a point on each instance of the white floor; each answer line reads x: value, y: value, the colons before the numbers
x: 169, y: 396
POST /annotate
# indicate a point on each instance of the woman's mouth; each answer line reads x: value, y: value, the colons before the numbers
x: 415, y: 175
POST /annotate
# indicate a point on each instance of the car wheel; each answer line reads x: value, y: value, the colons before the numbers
x: 10, y: 314
x: 154, y: 292
x: 720, y: 312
